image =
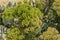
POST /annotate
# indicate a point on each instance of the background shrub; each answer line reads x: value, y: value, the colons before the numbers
x: 50, y: 34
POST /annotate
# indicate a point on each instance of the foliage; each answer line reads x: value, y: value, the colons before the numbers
x: 56, y: 6
x: 50, y: 34
x: 26, y: 18
x: 9, y: 4
x: 58, y: 27
x: 41, y: 4
x: 14, y: 34
x: 25, y: 13
x: 1, y: 10
x: 8, y: 15
x: 32, y: 18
